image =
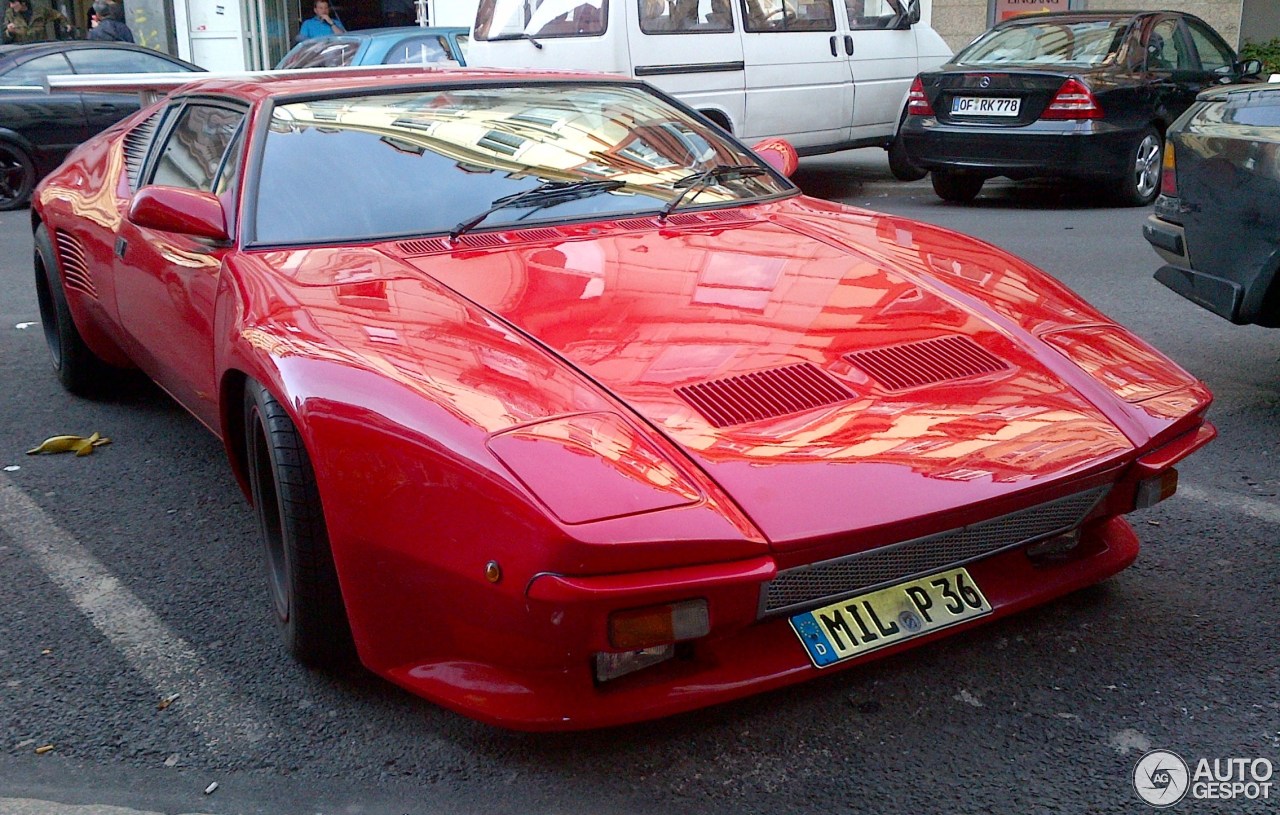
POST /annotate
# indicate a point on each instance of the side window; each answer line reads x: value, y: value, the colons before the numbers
x: 323, y: 53
x: 789, y: 15
x: 35, y: 71
x: 498, y: 19
x: 685, y: 16
x: 419, y: 51
x: 1214, y: 53
x: 873, y: 14
x: 194, y: 148
x: 1166, y: 50
x: 118, y: 61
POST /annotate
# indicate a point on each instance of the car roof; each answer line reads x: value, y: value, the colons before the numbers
x: 15, y: 50
x: 265, y: 85
x: 400, y: 31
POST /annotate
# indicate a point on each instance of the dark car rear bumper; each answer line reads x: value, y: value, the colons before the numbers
x: 1063, y: 149
x: 1223, y: 297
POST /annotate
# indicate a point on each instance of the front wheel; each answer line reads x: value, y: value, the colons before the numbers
x: 958, y: 187
x: 17, y: 177
x: 301, y: 577
x: 1141, y: 182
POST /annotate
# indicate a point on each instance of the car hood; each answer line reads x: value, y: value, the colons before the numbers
x: 827, y: 384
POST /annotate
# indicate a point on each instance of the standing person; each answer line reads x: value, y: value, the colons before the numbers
x: 106, y: 27
x: 322, y: 25
x: 21, y: 24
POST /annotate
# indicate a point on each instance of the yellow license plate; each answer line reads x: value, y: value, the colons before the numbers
x: 869, y: 622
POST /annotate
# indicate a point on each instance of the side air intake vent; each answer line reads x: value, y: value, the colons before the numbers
x: 913, y: 364
x: 75, y: 270
x: 134, y: 146
x: 764, y: 394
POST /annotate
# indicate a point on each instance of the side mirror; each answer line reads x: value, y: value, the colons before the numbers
x: 778, y: 154
x: 913, y: 12
x: 194, y: 213
x: 1249, y: 68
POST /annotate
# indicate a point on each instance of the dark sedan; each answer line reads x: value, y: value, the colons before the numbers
x: 1217, y: 220
x: 38, y: 129
x: 1083, y: 95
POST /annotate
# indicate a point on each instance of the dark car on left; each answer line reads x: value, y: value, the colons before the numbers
x: 38, y: 129
x: 1078, y: 95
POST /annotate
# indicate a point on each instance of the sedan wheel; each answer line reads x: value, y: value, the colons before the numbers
x: 958, y: 187
x: 17, y: 177
x: 1142, y: 181
x: 303, y: 583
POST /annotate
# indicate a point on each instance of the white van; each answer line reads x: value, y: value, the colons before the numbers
x: 824, y: 74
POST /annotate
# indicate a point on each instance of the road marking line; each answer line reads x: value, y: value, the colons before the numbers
x: 1253, y: 507
x: 205, y: 699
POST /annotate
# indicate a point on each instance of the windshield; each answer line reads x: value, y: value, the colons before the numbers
x: 1076, y: 43
x: 512, y: 19
x: 395, y: 164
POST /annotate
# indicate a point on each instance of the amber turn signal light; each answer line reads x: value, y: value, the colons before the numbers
x: 1152, y: 491
x: 658, y: 625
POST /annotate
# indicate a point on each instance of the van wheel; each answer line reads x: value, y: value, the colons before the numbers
x: 958, y: 187
x: 301, y: 577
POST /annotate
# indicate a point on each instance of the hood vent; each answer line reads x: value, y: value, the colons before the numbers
x: 489, y: 240
x: 914, y: 364
x: 134, y: 147
x: 75, y: 269
x: 765, y: 394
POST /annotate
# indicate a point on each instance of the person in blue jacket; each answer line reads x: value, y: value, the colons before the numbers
x: 322, y: 25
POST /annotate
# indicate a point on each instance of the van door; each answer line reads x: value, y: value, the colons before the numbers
x: 799, y: 83
x: 691, y: 49
x: 883, y: 62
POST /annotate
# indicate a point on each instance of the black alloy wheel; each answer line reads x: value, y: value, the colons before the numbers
x: 17, y: 177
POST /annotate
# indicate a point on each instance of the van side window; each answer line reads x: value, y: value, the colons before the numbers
x: 505, y: 20
x: 789, y: 15
x: 872, y: 14
x: 685, y: 16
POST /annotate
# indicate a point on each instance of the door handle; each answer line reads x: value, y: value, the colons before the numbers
x: 834, y: 52
x: 848, y: 45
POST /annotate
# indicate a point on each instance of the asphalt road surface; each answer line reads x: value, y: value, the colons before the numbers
x: 135, y: 638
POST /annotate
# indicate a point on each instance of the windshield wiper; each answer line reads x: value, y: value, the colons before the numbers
x: 547, y: 194
x: 697, y: 182
x: 520, y: 36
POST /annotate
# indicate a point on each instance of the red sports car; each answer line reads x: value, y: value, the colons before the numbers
x: 561, y: 408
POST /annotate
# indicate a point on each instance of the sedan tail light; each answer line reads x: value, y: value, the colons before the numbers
x: 1169, y: 177
x: 1073, y: 100
x: 917, y: 102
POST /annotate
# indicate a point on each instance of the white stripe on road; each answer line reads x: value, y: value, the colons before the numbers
x: 205, y: 700
x: 1266, y: 511
x: 30, y: 806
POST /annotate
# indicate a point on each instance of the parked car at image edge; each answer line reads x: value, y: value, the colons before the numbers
x: 561, y: 408
x: 38, y: 129
x: 1217, y: 220
x: 1078, y: 95
x: 400, y: 45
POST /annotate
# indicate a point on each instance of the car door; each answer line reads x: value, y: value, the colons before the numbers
x: 50, y: 123
x: 1174, y: 66
x: 692, y: 50
x: 166, y: 284
x: 798, y: 79
x: 105, y: 109
x: 883, y: 60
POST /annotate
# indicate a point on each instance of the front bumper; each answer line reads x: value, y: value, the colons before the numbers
x: 1069, y: 149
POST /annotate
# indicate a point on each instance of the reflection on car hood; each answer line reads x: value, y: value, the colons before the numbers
x: 665, y: 319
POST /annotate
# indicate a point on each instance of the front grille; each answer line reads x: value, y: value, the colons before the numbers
x: 831, y: 580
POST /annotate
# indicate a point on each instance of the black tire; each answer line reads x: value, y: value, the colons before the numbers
x: 79, y: 370
x: 958, y: 187
x: 17, y: 176
x: 900, y: 163
x: 1140, y: 184
x: 305, y: 598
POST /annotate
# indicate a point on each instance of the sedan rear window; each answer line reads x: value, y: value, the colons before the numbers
x: 398, y: 164
x: 1071, y: 43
